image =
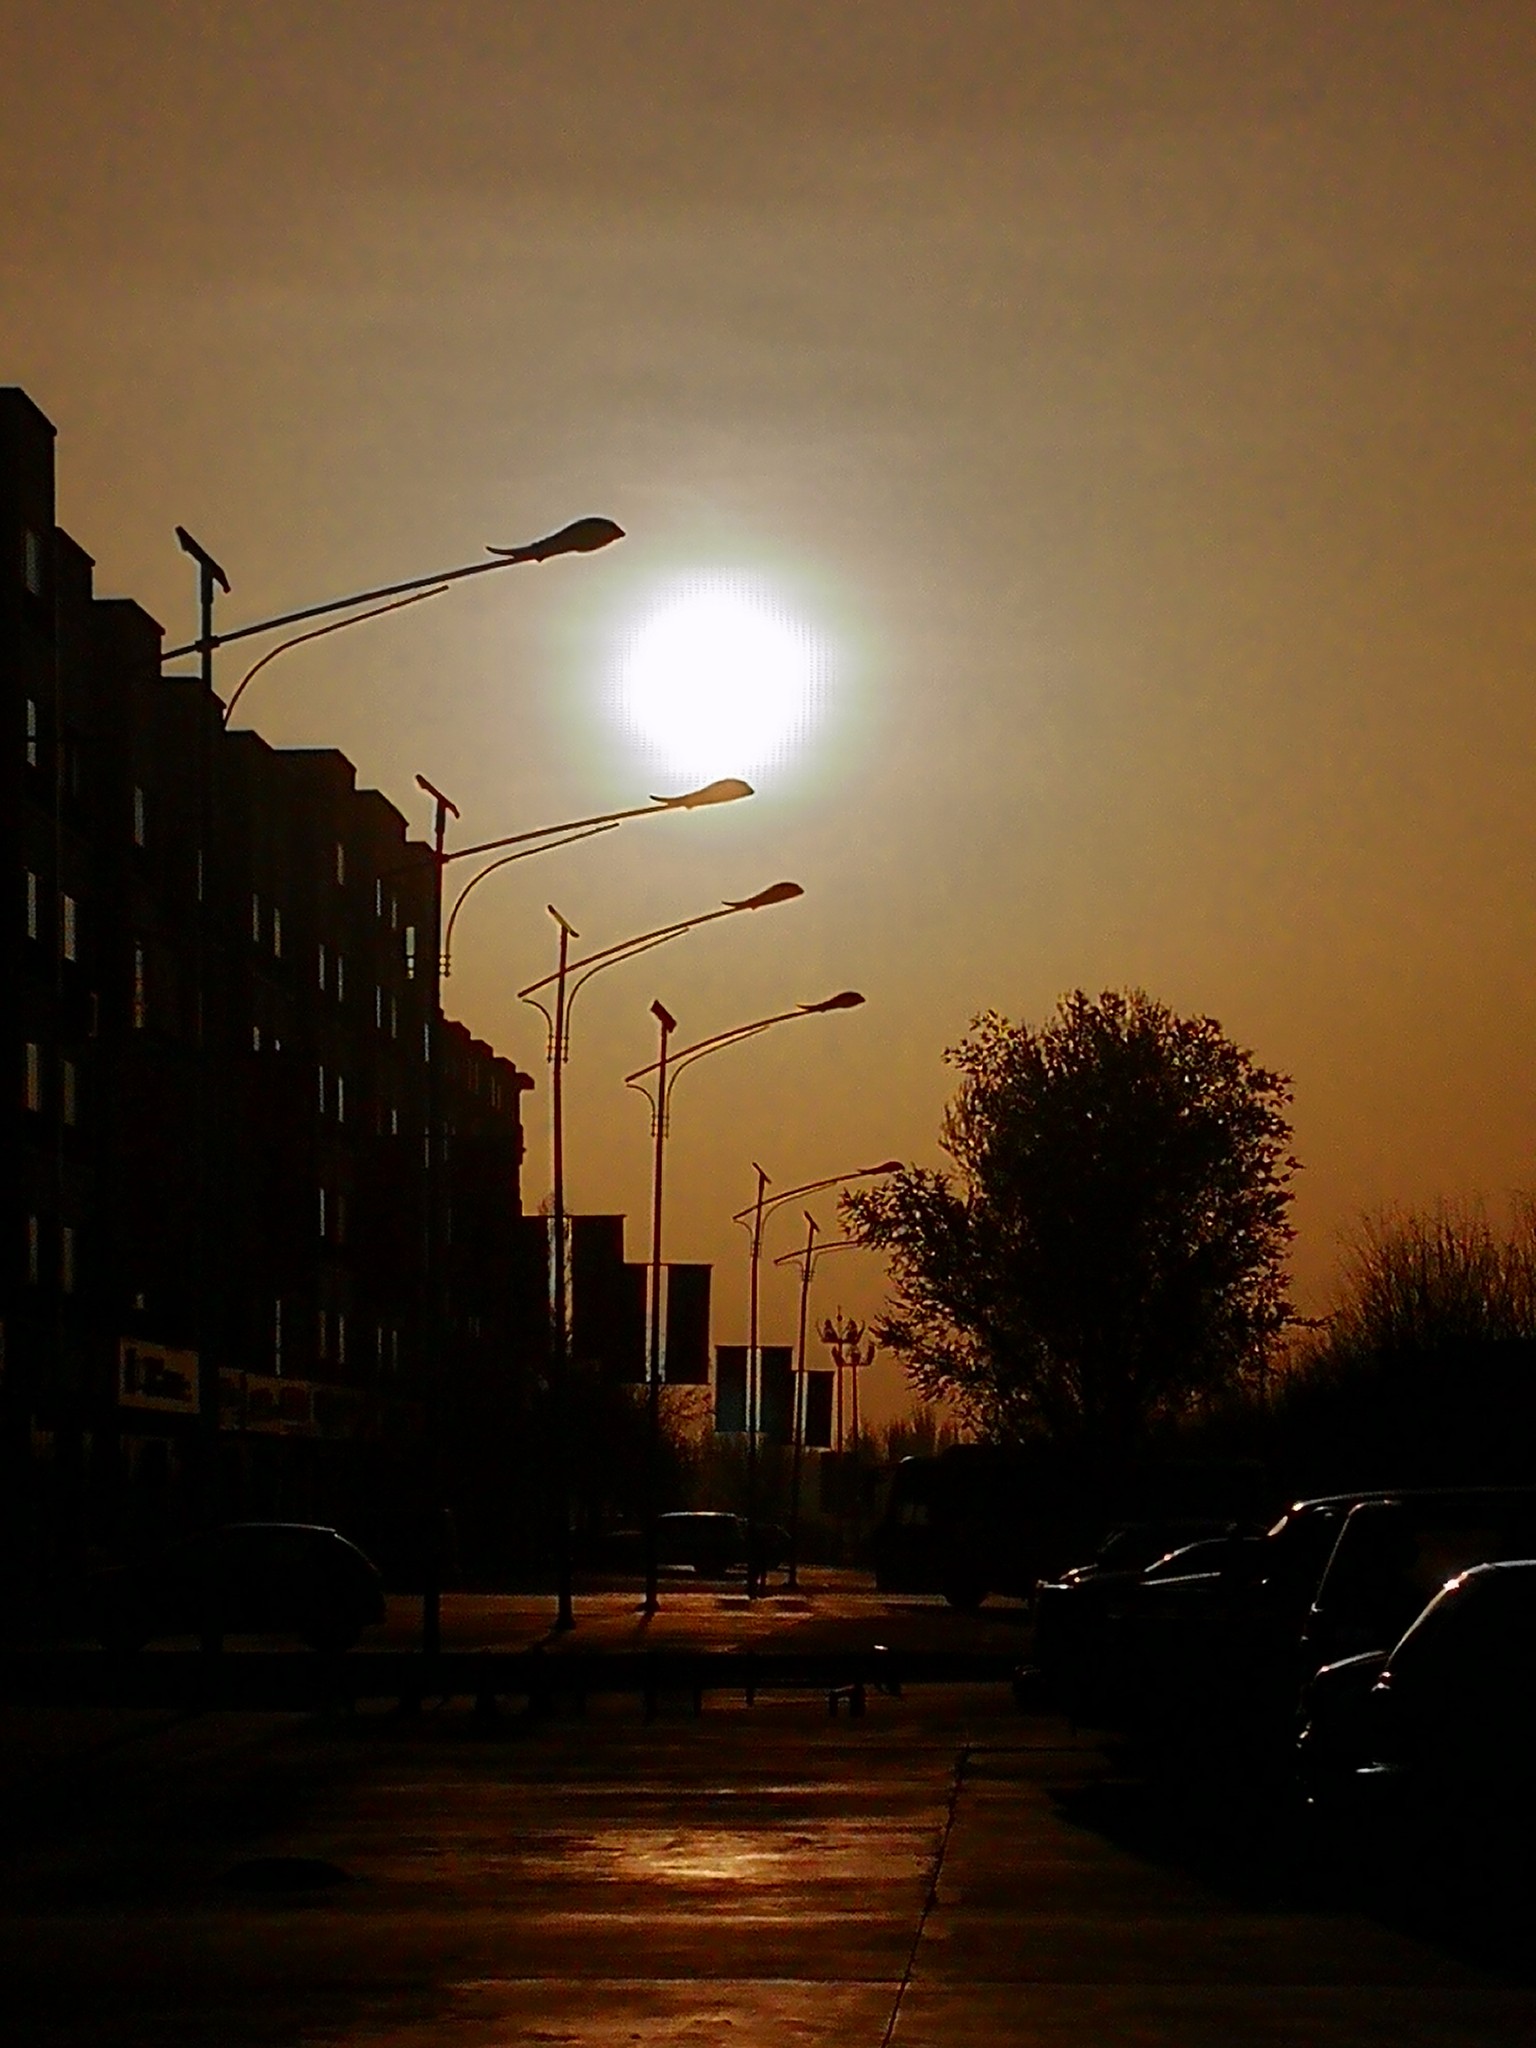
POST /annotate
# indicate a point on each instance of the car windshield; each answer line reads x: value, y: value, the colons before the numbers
x: 1482, y: 1627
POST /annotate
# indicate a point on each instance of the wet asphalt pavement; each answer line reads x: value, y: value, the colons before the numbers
x: 944, y: 1870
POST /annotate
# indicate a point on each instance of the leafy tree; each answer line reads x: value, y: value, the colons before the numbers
x: 1112, y: 1243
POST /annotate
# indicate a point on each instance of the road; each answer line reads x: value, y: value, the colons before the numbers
x: 945, y: 1870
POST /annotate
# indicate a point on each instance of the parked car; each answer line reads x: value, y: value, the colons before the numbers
x: 713, y: 1544
x: 1433, y: 1737
x: 1394, y: 1554
x: 1214, y: 1647
x: 978, y: 1519
x: 1232, y: 1650
x: 1076, y: 1613
x: 264, y: 1578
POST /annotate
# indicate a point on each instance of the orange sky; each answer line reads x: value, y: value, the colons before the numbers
x: 1136, y: 398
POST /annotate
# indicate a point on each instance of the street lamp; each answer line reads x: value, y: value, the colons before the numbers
x: 666, y: 1070
x: 542, y: 839
x: 558, y: 1018
x: 581, y: 536
x: 726, y: 791
x: 806, y: 1259
x: 844, y: 1338
x: 759, y: 1210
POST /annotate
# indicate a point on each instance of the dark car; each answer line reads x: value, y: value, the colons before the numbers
x: 1395, y: 1553
x: 713, y: 1544
x: 1233, y: 1651
x: 1076, y: 1613
x: 1435, y: 1734
x: 262, y: 1578
x: 1215, y: 1646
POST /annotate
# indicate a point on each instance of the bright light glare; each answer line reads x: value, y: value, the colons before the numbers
x: 718, y: 679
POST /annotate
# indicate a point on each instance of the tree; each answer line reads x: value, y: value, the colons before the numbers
x: 1425, y: 1372
x: 1112, y: 1243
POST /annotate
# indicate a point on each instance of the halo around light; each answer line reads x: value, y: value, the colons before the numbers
x: 718, y: 678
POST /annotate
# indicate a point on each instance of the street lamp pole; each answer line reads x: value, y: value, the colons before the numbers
x: 759, y: 1210
x: 806, y: 1260
x: 668, y: 1024
x: 797, y: 1455
x: 565, y: 993
x: 565, y: 1617
x: 660, y: 1102
x: 753, y: 1377
x: 437, y: 1174
x: 210, y: 577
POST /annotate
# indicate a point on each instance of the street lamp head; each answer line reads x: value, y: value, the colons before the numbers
x: 886, y: 1166
x: 663, y: 1016
x: 777, y: 892
x: 848, y: 999
x: 581, y: 537
x: 727, y: 791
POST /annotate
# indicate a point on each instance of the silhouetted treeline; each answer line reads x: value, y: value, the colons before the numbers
x: 1424, y: 1374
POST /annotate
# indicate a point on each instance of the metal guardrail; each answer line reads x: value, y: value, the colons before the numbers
x: 299, y: 1681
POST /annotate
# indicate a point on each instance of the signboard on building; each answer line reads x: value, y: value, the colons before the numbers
x: 154, y: 1376
x: 278, y: 1407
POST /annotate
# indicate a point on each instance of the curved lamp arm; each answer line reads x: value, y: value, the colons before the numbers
x: 319, y: 633
x: 522, y: 853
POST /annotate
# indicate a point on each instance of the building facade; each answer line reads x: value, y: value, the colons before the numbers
x: 216, y: 1027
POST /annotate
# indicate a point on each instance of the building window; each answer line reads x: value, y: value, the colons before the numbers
x: 394, y: 1122
x: 33, y: 743
x: 341, y: 865
x: 277, y: 1335
x: 378, y: 1003
x: 67, y: 1258
x: 34, y: 909
x: 69, y: 928
x: 320, y: 964
x: 32, y: 560
x: 69, y: 1093
x: 341, y: 1098
x: 140, y: 821
x: 140, y: 987
x: 341, y: 977
x: 378, y: 899
x: 320, y: 1073
x: 410, y: 952
x: 394, y: 911
x: 426, y: 1043
x: 34, y: 1250
x: 324, y: 1214
x: 199, y: 874
x: 255, y: 919
x: 255, y: 1038
x: 277, y: 933
x: 32, y: 1083
x: 394, y: 1017
x: 341, y: 1336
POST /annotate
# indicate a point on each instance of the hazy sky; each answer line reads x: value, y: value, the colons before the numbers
x: 1133, y: 403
